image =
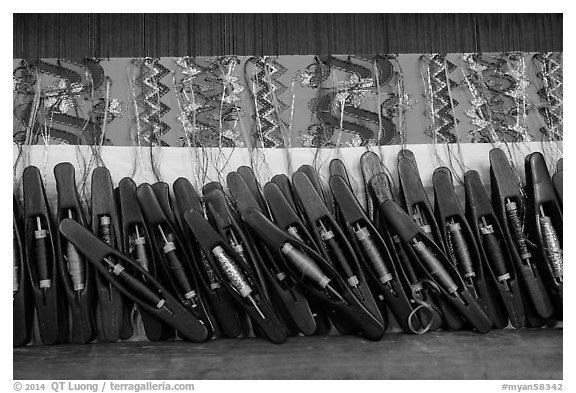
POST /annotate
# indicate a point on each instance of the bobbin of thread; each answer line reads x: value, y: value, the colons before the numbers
x: 494, y: 251
x: 232, y: 272
x: 461, y: 251
x: 404, y: 260
x: 105, y: 230
x: 435, y: 266
x: 308, y: 268
x: 516, y: 225
x: 235, y: 276
x: 15, y: 264
x: 373, y: 254
x: 337, y: 253
x: 105, y: 234
x: 305, y: 265
x: 138, y: 248
x: 76, y: 268
x: 551, y: 245
x: 407, y: 266
x: 140, y: 288
x: 40, y: 253
x: 212, y: 278
x: 104, y: 224
x: 169, y: 249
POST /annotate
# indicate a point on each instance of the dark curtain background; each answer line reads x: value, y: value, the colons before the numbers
x: 136, y: 35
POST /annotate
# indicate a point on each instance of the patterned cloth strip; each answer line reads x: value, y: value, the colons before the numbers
x: 289, y: 101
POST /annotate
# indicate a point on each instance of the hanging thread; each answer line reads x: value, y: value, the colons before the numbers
x: 285, y: 133
x: 135, y: 119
